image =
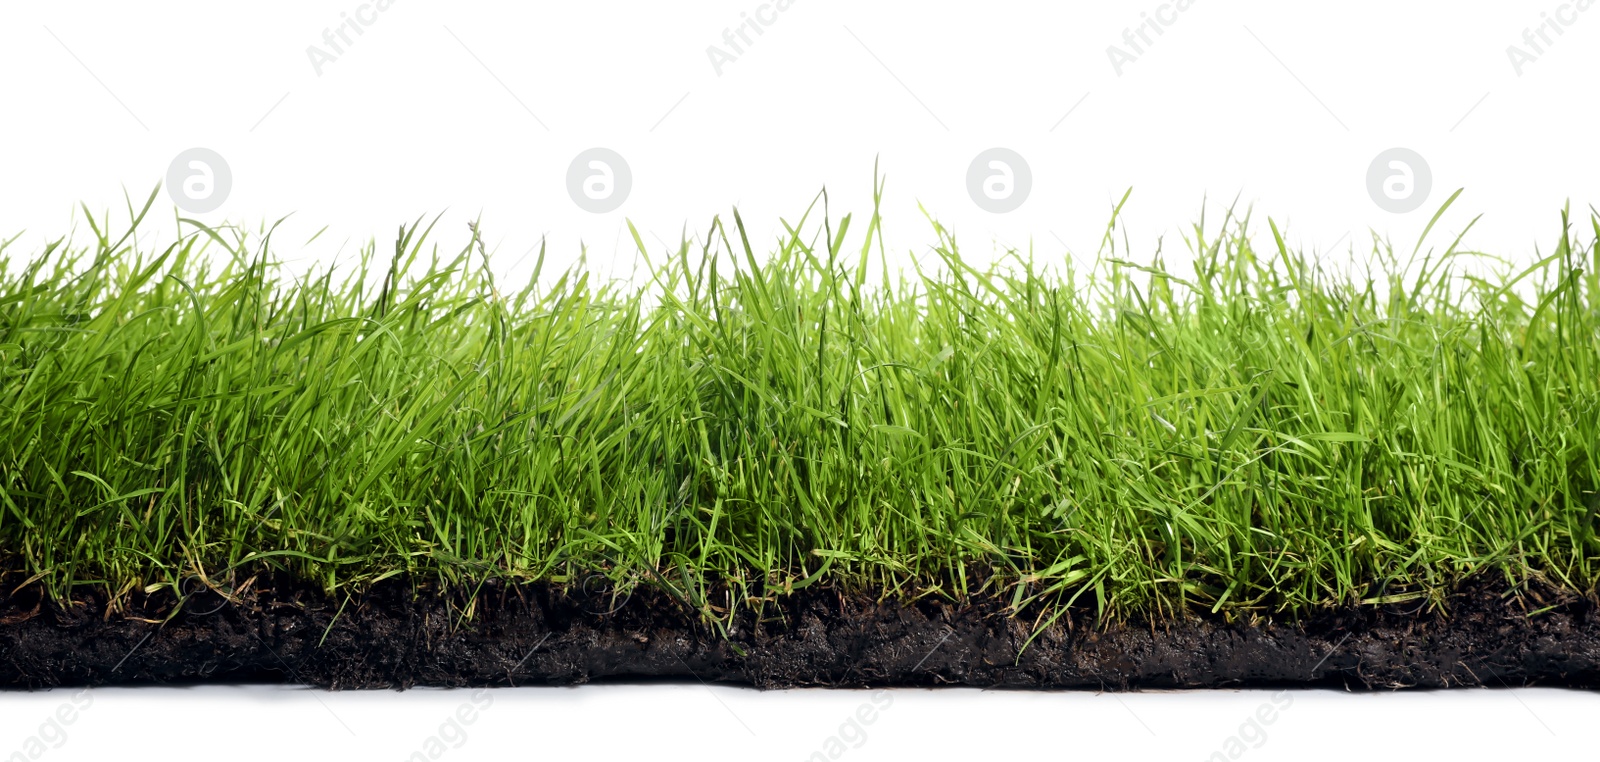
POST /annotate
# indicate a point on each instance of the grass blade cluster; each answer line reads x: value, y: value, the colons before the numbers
x: 1256, y: 435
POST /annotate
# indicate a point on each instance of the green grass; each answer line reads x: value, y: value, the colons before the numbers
x: 1260, y: 436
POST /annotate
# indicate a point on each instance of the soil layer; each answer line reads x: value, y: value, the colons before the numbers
x: 398, y: 635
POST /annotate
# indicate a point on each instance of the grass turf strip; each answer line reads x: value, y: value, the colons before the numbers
x: 1262, y: 436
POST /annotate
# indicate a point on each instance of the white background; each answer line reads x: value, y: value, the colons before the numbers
x: 695, y: 722
x: 476, y: 109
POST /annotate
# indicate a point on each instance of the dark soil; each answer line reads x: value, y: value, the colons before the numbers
x: 398, y: 635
